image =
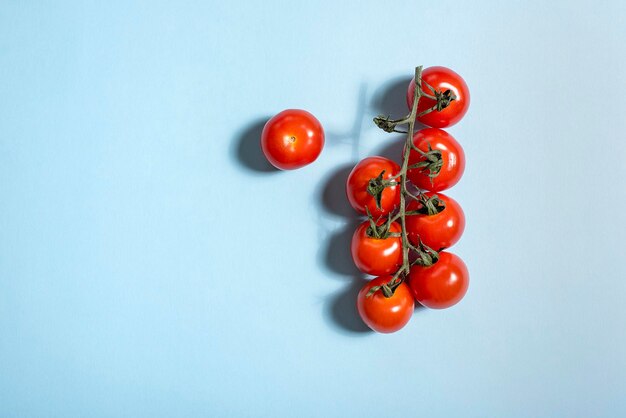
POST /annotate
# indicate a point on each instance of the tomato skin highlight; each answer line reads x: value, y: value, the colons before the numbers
x: 376, y: 256
x: 292, y: 139
x: 442, y: 79
x: 385, y: 315
x: 452, y: 155
x: 438, y: 231
x: 358, y: 180
x: 441, y: 285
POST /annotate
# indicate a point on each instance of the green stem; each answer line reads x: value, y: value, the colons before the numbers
x: 406, y: 265
x: 405, y: 163
x: 425, y: 255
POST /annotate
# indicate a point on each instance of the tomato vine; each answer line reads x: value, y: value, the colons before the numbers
x: 432, y: 163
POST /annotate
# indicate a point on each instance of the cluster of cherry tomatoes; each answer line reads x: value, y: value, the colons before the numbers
x: 405, y: 238
x: 433, y: 221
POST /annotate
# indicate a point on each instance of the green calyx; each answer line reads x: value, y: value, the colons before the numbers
x: 444, y: 99
x: 430, y: 205
x: 432, y: 163
x: 377, y: 186
x: 426, y: 256
x: 379, y: 231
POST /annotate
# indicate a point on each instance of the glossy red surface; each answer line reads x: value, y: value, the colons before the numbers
x: 358, y: 180
x: 441, y: 285
x: 376, y: 256
x: 452, y: 155
x: 442, y: 79
x: 384, y: 314
x: 292, y: 139
x: 438, y: 231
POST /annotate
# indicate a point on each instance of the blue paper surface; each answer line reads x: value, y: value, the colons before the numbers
x: 153, y: 265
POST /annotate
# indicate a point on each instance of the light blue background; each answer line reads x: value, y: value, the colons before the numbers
x: 152, y: 266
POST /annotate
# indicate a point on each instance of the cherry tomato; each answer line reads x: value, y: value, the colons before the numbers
x: 292, y: 139
x: 438, y: 231
x: 441, y: 285
x: 441, y: 79
x: 377, y: 256
x: 452, y: 155
x: 359, y: 179
x: 385, y: 314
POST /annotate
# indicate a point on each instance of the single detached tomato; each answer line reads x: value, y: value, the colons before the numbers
x: 441, y: 285
x: 441, y: 79
x: 377, y: 256
x: 366, y: 175
x: 452, y: 160
x: 385, y: 314
x: 440, y: 230
x: 292, y: 139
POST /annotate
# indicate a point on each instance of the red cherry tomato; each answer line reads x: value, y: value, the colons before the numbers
x: 438, y: 231
x: 452, y: 155
x: 441, y: 285
x: 441, y: 79
x: 377, y: 256
x: 292, y: 139
x: 359, y: 178
x: 384, y: 314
